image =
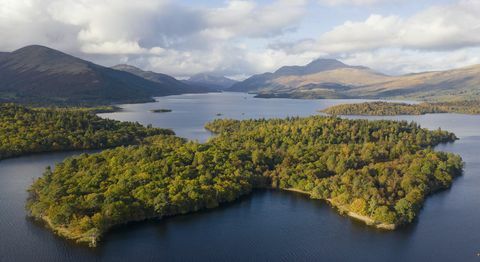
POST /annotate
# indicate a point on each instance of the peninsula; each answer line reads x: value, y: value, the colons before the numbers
x: 26, y: 130
x: 378, y: 171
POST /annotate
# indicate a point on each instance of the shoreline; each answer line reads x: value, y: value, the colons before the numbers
x: 343, y: 210
x: 92, y: 239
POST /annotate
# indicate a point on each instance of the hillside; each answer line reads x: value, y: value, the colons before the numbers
x: 163, y: 79
x: 41, y: 75
x: 456, y: 84
x: 326, y: 78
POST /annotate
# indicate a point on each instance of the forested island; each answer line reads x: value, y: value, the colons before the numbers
x: 25, y: 130
x: 391, y: 109
x: 379, y: 171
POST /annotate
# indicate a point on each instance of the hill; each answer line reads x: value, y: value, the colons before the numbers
x: 41, y: 75
x: 327, y: 78
x: 315, y: 75
x: 163, y: 79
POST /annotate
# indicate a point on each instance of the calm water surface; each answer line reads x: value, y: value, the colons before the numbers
x: 268, y: 225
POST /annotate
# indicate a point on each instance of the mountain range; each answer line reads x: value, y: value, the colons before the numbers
x: 167, y: 80
x: 329, y: 78
x: 41, y: 75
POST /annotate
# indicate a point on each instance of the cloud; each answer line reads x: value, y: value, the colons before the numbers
x: 400, y: 61
x: 161, y: 35
x: 439, y: 37
x: 447, y: 27
x: 352, y: 2
x: 241, y: 37
x: 246, y: 18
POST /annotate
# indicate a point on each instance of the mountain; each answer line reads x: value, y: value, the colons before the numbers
x: 315, y: 66
x: 295, y: 76
x: 327, y: 78
x: 211, y: 81
x: 163, y: 79
x: 457, y: 84
x: 41, y: 75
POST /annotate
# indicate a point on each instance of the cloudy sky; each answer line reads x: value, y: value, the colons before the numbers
x: 238, y: 38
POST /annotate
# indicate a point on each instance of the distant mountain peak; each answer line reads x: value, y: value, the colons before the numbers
x: 203, y: 76
x: 149, y: 75
x: 38, y: 50
x: 34, y: 48
x: 316, y: 66
x: 212, y: 80
x: 162, y: 79
x: 327, y: 62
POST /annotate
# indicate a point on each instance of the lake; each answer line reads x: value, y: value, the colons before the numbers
x: 268, y: 225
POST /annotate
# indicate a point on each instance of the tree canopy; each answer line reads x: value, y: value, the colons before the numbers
x: 379, y: 169
x: 26, y: 130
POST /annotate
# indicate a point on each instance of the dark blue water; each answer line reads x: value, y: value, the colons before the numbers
x: 268, y: 225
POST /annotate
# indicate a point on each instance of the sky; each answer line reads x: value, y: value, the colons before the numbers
x: 238, y: 38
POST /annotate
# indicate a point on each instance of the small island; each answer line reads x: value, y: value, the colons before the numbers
x: 380, y: 172
x: 393, y: 109
x: 162, y: 110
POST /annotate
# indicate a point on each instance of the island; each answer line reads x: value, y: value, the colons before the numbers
x: 26, y: 130
x: 161, y: 110
x: 378, y: 171
x: 392, y: 108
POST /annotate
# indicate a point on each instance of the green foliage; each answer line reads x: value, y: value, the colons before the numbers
x: 26, y: 130
x: 387, y: 108
x: 380, y: 169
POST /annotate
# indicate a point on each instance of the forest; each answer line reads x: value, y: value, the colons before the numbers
x: 382, y: 170
x: 390, y: 109
x: 25, y: 130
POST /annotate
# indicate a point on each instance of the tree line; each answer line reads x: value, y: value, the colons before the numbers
x: 390, y: 109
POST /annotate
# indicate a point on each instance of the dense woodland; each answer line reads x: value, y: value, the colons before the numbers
x: 379, y: 169
x: 390, y: 109
x: 32, y: 130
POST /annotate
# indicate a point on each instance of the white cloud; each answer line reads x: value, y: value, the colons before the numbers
x: 437, y: 28
x: 352, y: 2
x: 400, y: 61
x: 439, y: 37
x: 240, y: 37
x: 246, y: 18
x: 158, y: 34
